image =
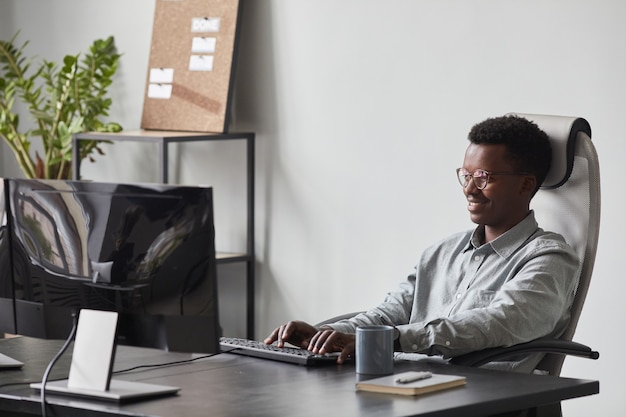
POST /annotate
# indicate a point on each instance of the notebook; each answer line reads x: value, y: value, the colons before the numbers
x: 392, y: 384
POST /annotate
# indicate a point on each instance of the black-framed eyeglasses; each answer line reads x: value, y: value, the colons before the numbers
x: 480, y: 177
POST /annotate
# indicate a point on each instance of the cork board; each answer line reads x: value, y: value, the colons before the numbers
x: 190, y: 74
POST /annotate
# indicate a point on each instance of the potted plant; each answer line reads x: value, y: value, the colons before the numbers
x: 62, y: 99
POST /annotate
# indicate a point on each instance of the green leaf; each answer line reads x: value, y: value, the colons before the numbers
x: 63, y: 100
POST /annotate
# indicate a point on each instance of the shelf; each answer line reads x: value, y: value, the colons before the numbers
x: 229, y: 257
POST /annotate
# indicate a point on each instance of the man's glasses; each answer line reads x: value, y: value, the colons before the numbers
x: 480, y: 177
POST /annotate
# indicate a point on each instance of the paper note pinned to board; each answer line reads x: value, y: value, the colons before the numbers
x: 201, y: 63
x: 205, y: 24
x: 161, y: 75
x: 203, y: 45
x: 162, y: 91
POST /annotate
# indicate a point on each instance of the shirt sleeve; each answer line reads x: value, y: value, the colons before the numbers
x: 395, y: 309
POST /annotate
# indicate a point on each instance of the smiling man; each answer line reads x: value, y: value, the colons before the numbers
x: 503, y: 283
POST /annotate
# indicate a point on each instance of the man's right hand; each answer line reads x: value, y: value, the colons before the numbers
x: 298, y: 333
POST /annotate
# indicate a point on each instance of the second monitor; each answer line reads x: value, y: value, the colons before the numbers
x: 146, y: 251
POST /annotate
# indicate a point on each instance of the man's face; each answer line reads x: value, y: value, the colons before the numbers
x: 504, y: 201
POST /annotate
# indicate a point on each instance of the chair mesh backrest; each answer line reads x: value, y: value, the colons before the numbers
x: 571, y: 208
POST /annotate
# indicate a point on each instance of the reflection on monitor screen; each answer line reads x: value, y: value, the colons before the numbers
x: 143, y: 250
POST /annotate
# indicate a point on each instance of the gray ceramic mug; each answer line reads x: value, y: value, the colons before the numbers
x: 374, y: 350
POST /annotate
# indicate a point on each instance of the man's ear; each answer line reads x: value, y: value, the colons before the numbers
x: 529, y: 183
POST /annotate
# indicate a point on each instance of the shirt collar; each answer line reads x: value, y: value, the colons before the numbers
x: 508, y: 242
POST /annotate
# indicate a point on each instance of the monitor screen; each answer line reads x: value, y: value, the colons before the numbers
x: 144, y: 250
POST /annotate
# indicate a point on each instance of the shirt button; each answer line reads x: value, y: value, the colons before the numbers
x: 458, y: 296
x: 447, y: 343
x: 414, y: 347
x: 477, y: 258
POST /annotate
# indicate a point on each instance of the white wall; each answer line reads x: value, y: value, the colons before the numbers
x: 361, y: 109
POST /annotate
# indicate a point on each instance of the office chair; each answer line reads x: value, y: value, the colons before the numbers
x: 568, y: 203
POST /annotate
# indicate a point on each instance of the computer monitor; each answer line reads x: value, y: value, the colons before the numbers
x: 146, y: 251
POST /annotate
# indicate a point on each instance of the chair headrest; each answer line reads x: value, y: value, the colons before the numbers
x: 562, y: 132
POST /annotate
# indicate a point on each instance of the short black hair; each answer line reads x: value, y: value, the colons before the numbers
x: 528, y: 147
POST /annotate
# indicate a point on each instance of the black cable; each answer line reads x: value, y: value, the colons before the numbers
x: 157, y: 365
x: 44, y: 379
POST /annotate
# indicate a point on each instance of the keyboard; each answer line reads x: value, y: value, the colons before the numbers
x: 285, y: 354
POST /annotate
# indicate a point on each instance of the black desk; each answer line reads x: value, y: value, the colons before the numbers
x: 232, y: 385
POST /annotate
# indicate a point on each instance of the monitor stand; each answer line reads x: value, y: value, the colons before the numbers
x: 7, y: 362
x: 95, y: 338
x: 119, y: 390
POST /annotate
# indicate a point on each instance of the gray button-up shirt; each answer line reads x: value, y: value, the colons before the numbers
x: 464, y: 296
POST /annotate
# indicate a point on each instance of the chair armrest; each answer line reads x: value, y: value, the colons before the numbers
x: 338, y: 318
x: 543, y: 345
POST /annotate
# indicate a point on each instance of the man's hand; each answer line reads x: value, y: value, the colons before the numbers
x: 298, y: 333
x: 329, y: 340
x: 324, y: 340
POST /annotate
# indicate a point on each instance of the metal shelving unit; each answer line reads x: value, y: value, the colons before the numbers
x: 163, y: 139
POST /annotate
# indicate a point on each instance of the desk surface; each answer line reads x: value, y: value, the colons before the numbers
x: 232, y: 385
